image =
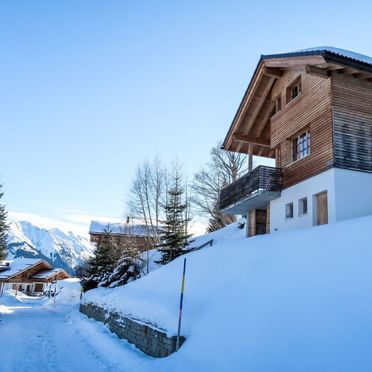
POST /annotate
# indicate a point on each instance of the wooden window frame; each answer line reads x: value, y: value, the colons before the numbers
x: 296, y: 84
x: 300, y: 145
x: 278, y: 104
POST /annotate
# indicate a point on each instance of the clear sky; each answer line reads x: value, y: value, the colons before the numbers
x: 89, y: 89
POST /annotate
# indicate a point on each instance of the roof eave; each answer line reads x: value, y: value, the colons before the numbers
x: 242, y: 102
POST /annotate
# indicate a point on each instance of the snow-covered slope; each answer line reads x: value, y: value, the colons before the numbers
x: 65, y: 250
x: 291, y: 301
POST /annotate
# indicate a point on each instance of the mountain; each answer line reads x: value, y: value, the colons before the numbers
x: 65, y: 250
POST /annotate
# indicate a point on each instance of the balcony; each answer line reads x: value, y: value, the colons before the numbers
x: 254, y: 190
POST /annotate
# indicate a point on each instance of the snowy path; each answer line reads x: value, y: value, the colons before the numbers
x: 36, y: 338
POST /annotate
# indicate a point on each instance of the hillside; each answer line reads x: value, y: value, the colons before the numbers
x: 65, y: 250
x: 290, y: 301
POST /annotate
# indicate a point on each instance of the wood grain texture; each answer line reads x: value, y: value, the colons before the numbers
x: 352, y: 122
x: 312, y: 109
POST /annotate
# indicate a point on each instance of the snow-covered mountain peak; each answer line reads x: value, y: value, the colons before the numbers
x: 62, y: 249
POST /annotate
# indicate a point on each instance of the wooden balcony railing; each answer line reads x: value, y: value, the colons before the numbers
x: 260, y: 180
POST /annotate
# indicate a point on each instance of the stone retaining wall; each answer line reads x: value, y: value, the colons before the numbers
x: 150, y: 340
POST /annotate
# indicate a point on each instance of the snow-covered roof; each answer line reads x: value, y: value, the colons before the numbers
x: 341, y: 52
x: 45, y: 274
x: 18, y: 265
x: 321, y: 50
x: 99, y: 227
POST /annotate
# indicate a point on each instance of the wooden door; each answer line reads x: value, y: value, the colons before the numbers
x: 260, y: 222
x: 322, y: 209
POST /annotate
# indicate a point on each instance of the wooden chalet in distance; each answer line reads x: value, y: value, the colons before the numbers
x: 143, y: 236
x: 29, y: 275
x: 310, y: 111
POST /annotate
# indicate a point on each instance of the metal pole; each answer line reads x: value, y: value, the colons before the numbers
x: 181, y: 304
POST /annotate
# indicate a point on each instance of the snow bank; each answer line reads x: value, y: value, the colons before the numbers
x: 290, y: 301
x: 69, y: 291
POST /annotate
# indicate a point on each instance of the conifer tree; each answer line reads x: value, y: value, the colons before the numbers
x: 3, y: 227
x: 102, y: 264
x: 117, y: 261
x: 175, y: 236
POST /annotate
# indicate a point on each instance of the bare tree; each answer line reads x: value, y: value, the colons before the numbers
x: 223, y: 168
x: 147, y: 193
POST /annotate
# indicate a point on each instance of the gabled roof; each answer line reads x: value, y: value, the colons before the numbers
x: 46, y: 274
x: 250, y: 127
x: 327, y: 51
x: 20, y: 265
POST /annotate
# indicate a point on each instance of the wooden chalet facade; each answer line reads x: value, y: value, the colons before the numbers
x: 141, y: 236
x: 310, y: 111
x: 29, y: 275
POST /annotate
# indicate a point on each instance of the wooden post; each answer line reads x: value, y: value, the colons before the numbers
x: 55, y: 291
x: 250, y: 157
x: 277, y: 157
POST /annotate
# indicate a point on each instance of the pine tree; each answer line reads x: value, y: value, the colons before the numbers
x: 102, y: 264
x: 175, y: 236
x: 117, y: 261
x: 3, y: 228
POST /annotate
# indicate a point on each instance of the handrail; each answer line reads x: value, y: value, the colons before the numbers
x: 209, y: 242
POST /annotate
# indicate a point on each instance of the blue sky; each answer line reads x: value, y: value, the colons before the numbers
x: 89, y: 89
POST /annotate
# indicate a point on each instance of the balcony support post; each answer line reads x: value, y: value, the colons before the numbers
x: 250, y: 157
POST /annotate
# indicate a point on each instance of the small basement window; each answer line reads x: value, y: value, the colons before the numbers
x: 289, y: 210
x: 301, y: 146
x: 294, y: 90
x: 302, y: 206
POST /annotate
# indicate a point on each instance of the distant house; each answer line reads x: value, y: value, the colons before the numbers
x: 29, y: 275
x: 311, y: 112
x: 145, y: 237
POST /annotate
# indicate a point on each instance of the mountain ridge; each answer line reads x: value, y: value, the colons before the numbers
x: 62, y: 249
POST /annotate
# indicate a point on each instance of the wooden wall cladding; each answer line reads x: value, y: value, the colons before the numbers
x: 311, y: 109
x: 352, y: 120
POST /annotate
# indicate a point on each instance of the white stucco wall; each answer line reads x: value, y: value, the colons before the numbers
x: 349, y: 196
x: 309, y: 188
x: 353, y: 191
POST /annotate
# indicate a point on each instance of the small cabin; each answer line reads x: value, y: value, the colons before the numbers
x: 29, y: 275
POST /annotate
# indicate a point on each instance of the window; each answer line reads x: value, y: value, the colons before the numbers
x: 289, y: 210
x: 278, y: 104
x: 301, y: 146
x: 302, y: 206
x: 294, y: 90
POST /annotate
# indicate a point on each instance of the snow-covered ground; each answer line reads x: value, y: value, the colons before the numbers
x: 40, y: 335
x: 291, y: 301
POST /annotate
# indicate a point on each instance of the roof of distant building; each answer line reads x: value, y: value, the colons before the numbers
x: 99, y: 227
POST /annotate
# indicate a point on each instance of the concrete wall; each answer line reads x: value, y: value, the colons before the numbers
x: 309, y: 188
x: 150, y: 340
x: 353, y: 193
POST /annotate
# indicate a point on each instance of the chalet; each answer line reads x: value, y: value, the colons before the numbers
x: 29, y: 275
x: 143, y: 236
x: 311, y: 112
